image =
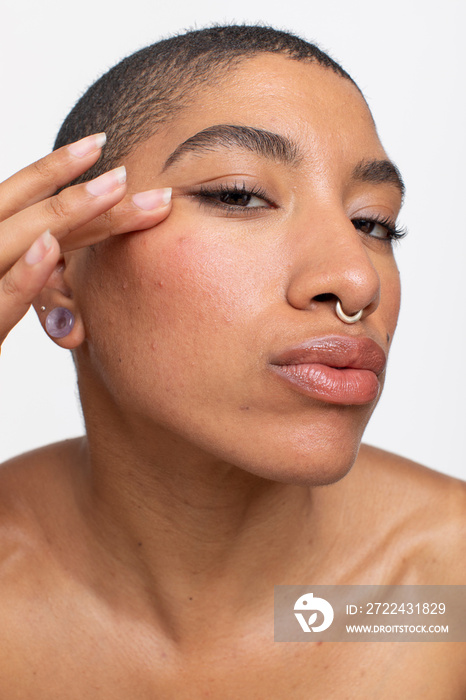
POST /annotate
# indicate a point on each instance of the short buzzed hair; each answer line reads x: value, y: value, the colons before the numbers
x: 150, y: 87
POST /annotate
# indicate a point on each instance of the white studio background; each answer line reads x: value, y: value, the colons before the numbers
x: 408, y: 58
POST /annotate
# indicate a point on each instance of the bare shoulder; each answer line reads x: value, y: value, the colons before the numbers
x: 35, y: 490
x: 36, y: 525
x: 28, y: 477
x: 405, y: 479
x: 425, y: 507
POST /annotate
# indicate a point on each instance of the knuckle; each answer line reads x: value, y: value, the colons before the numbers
x: 44, y: 169
x: 105, y: 220
x: 57, y: 207
x: 10, y: 286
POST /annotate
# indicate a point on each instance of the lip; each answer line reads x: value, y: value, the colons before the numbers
x: 336, y: 369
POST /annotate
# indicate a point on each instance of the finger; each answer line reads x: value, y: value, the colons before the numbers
x: 134, y: 213
x: 44, y: 177
x: 24, y: 281
x: 66, y: 211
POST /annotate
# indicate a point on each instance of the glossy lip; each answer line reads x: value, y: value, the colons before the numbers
x: 336, y: 369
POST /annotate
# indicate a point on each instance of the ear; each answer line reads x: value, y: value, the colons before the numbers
x: 57, y: 294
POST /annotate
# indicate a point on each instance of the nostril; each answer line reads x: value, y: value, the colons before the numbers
x: 324, y: 297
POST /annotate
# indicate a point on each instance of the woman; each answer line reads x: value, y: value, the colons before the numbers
x: 231, y: 342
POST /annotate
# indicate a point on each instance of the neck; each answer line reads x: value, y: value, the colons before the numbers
x: 180, y: 531
x: 176, y: 526
x: 213, y: 516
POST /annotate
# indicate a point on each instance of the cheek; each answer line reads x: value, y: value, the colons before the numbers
x: 192, y: 283
x: 390, y: 295
x: 179, y: 301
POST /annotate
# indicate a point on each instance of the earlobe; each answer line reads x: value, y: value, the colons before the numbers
x: 57, y: 311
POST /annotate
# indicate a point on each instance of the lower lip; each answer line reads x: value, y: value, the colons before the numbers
x: 351, y: 387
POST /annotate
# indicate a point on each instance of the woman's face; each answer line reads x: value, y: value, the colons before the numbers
x: 188, y: 323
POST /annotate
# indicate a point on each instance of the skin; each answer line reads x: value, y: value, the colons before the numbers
x: 140, y: 561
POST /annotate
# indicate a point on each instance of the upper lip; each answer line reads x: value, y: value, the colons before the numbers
x: 339, y: 351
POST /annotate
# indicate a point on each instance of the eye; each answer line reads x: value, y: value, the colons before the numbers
x: 240, y: 199
x: 234, y: 198
x: 382, y: 229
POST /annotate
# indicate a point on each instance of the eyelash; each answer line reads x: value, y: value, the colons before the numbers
x: 207, y: 196
x: 394, y: 233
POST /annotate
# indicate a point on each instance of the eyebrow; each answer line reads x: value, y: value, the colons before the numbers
x: 276, y: 147
x: 259, y: 141
x: 379, y: 172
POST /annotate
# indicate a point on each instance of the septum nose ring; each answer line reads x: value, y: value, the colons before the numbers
x: 343, y: 317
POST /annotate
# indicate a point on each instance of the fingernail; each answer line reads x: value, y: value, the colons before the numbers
x: 39, y: 248
x: 152, y: 199
x: 108, y: 182
x: 87, y: 145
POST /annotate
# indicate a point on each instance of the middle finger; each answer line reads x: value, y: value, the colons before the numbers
x: 134, y: 213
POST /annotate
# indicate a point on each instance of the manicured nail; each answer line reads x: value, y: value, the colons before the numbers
x: 87, y: 145
x: 152, y: 199
x: 108, y: 182
x: 39, y: 249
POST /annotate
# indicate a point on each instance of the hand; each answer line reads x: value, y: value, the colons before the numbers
x: 36, y: 224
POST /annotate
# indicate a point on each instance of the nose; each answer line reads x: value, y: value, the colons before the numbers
x: 331, y: 261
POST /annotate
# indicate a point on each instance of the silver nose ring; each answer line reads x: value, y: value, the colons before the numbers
x: 343, y: 317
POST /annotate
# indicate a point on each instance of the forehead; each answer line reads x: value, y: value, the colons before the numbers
x: 321, y: 112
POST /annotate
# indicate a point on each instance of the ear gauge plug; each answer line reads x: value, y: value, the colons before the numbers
x: 59, y: 322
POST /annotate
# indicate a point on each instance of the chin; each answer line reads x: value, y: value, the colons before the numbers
x: 308, y: 455
x: 296, y: 468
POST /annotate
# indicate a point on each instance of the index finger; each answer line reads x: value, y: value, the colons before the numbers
x: 44, y: 177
